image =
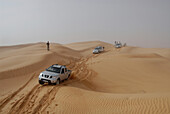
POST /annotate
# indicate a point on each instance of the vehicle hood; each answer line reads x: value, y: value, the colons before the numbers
x: 49, y: 73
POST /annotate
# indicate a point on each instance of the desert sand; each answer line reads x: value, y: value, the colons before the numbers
x: 130, y: 80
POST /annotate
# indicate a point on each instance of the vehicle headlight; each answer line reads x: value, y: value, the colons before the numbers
x: 41, y: 74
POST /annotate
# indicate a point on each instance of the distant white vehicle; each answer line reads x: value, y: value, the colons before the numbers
x: 54, y: 74
x: 98, y: 49
x: 118, y: 44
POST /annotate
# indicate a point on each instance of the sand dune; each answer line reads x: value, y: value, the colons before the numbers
x: 118, y: 81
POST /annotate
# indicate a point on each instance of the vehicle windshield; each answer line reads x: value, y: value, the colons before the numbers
x: 53, y: 69
x: 98, y: 47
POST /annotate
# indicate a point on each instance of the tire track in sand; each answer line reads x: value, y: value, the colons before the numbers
x: 82, y: 74
x: 46, y: 100
x: 18, y: 107
x: 6, y: 100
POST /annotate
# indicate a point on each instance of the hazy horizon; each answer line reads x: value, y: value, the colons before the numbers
x: 142, y: 23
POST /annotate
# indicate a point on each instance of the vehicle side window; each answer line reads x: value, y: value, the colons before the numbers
x: 65, y: 69
x: 62, y: 71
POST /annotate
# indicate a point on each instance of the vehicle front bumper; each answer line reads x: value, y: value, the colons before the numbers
x: 95, y: 52
x: 46, y: 80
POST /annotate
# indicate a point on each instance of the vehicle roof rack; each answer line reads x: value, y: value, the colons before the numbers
x: 59, y: 65
x: 55, y: 64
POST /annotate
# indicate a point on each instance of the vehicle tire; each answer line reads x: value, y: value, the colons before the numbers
x: 68, y: 77
x: 58, y: 82
x: 41, y: 82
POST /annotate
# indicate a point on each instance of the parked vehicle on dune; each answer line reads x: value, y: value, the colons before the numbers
x: 118, y: 44
x: 54, y: 74
x: 98, y: 49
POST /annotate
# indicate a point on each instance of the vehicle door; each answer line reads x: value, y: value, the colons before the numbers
x: 66, y: 73
x: 62, y: 75
x: 102, y: 48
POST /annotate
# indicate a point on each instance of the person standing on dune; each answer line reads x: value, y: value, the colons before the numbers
x: 48, y: 45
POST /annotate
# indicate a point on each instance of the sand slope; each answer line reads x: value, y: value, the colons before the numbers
x: 120, y: 81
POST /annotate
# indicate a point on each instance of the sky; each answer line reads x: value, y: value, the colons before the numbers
x: 142, y: 23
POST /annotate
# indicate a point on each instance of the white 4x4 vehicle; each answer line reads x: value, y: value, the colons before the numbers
x: 98, y: 49
x: 54, y: 74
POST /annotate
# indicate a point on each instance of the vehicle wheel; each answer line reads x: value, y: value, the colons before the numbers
x: 68, y: 77
x: 58, y: 82
x: 41, y: 82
